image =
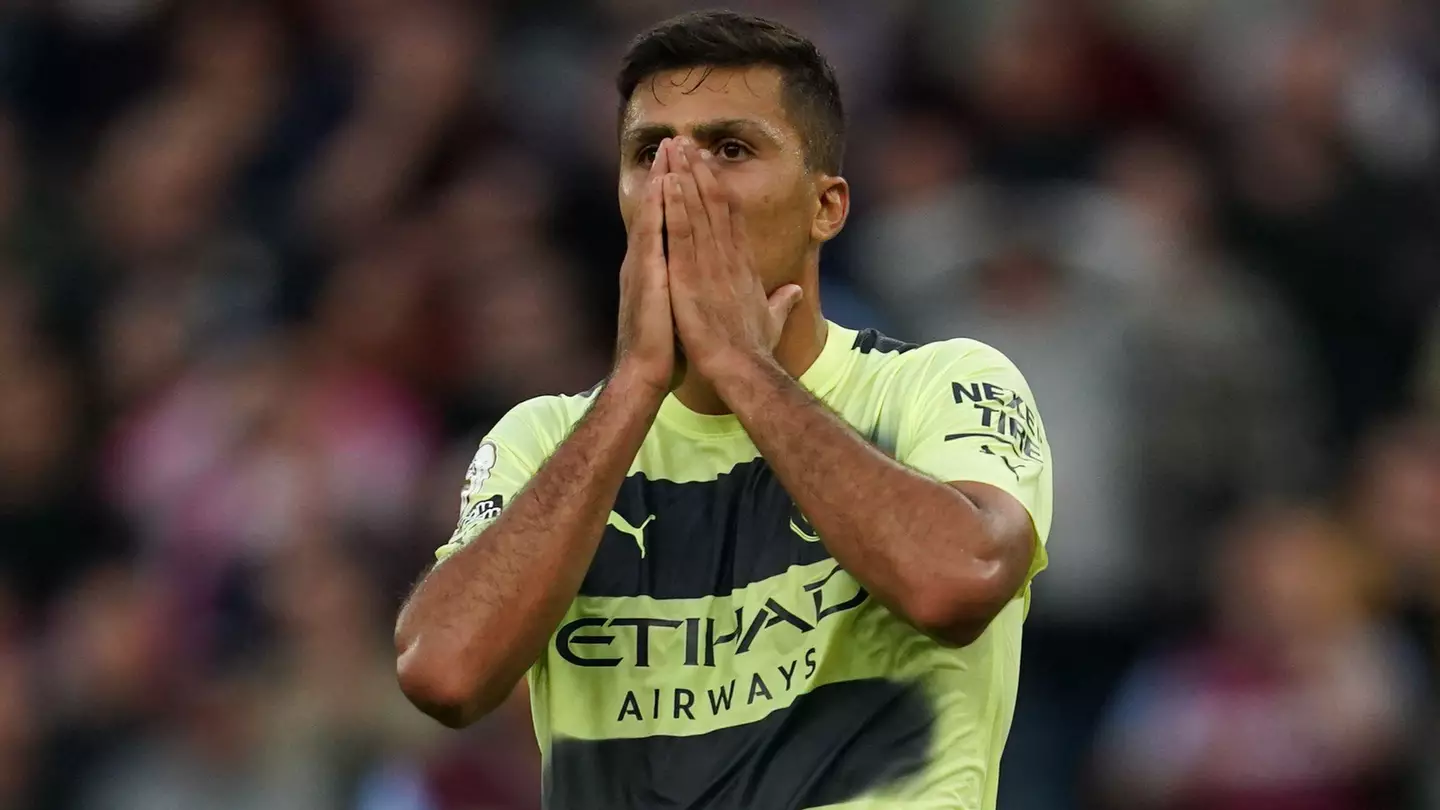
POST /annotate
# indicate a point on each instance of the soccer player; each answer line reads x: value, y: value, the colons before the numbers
x: 771, y: 562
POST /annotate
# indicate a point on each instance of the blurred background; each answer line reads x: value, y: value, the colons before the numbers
x: 268, y: 270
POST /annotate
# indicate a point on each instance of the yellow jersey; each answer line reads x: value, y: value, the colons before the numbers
x: 716, y: 656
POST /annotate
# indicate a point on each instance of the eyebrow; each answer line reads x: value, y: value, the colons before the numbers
x: 704, y: 132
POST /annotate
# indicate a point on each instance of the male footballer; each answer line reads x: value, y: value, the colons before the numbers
x: 770, y: 562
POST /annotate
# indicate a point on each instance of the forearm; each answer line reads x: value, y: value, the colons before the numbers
x: 480, y: 618
x: 925, y: 552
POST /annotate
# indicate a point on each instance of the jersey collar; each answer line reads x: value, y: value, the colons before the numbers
x: 819, y: 379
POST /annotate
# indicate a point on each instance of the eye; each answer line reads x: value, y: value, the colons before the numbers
x: 647, y: 154
x: 732, y: 150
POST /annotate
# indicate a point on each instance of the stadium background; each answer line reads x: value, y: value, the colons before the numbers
x: 270, y: 268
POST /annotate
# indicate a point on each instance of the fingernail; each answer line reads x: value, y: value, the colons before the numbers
x: 706, y: 155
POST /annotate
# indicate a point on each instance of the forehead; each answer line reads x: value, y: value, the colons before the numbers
x: 679, y: 99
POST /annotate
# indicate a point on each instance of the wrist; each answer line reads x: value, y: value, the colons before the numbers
x: 634, y: 384
x: 736, y: 372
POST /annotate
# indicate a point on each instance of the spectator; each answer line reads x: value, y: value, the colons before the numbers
x: 1296, y: 697
x: 1209, y: 338
x: 20, y: 723
x: 52, y: 524
x: 110, y: 660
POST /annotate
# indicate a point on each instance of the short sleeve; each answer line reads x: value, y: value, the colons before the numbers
x: 970, y: 416
x: 508, y: 457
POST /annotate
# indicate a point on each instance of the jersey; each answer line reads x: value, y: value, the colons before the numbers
x: 716, y: 656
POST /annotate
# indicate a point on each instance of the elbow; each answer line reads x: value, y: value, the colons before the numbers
x: 442, y: 689
x: 950, y: 629
x: 955, y: 614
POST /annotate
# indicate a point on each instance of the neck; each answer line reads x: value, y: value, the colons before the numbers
x: 799, y: 346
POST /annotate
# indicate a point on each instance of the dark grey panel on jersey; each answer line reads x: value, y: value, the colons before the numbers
x: 708, y: 538
x: 835, y: 743
x: 869, y: 340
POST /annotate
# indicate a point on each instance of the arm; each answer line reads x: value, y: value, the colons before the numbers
x: 483, y: 615
x: 945, y: 557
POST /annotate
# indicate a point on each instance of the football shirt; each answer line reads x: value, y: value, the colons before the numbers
x: 716, y: 656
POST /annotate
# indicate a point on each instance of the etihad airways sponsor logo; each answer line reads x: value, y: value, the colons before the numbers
x: 656, y: 703
x: 601, y: 641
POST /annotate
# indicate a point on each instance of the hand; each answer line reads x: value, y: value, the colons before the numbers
x: 721, y: 309
x: 645, y: 346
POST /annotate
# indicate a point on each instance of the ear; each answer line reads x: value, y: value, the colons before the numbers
x: 833, y: 196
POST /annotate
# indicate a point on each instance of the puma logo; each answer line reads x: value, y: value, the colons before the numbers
x: 800, y: 525
x: 1013, y: 468
x: 637, y: 532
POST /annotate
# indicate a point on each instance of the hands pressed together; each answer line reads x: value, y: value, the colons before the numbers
x: 708, y: 292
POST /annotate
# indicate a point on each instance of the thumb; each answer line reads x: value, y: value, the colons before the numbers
x: 783, y: 301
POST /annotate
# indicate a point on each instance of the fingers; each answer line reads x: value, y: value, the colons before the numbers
x: 678, y: 226
x: 712, y: 194
x: 781, y: 303
x: 645, y: 232
x: 682, y: 152
x: 649, y: 230
x: 650, y: 222
x: 784, y: 299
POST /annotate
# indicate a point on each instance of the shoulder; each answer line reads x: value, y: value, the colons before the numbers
x: 962, y: 371
x: 555, y: 406
x: 961, y: 349
x: 872, y: 341
x: 960, y: 360
x: 544, y: 419
x: 904, y: 364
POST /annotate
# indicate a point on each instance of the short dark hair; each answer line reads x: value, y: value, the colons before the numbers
x: 726, y: 39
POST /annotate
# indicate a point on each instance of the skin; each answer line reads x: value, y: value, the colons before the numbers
x: 738, y: 118
x: 477, y: 621
x: 714, y: 156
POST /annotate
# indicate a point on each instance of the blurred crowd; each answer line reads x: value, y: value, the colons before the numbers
x: 270, y: 268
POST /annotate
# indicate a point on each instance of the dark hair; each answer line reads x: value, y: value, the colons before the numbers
x: 712, y: 39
